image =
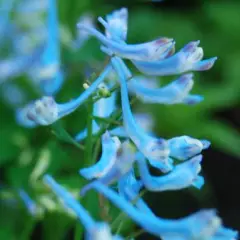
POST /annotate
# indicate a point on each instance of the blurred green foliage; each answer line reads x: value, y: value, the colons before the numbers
x: 216, y: 24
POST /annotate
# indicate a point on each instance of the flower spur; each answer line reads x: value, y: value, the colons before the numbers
x: 94, y: 230
x: 182, y: 176
x: 110, y: 147
x: 46, y: 110
x: 156, y: 150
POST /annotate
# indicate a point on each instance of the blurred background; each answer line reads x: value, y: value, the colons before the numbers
x: 26, y: 154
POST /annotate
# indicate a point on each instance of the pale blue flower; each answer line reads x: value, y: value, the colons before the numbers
x: 46, y: 110
x: 185, y: 147
x: 187, y: 59
x: 175, y: 92
x: 110, y: 147
x: 182, y: 176
x: 156, y: 150
x: 123, y: 163
x: 145, y: 51
x: 200, y: 225
x: 94, y: 230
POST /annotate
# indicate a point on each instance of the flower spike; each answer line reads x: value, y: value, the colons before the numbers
x: 46, y: 110
x: 110, y: 147
x: 156, y: 150
x: 187, y: 59
x: 182, y: 176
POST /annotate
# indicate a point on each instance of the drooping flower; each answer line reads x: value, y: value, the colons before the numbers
x: 156, y: 150
x: 189, y: 58
x: 94, y: 230
x: 182, y: 176
x: 110, y: 147
x: 46, y: 110
x: 123, y: 163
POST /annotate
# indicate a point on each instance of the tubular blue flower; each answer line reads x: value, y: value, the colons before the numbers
x: 185, y: 147
x: 94, y: 230
x: 187, y: 59
x: 156, y: 150
x: 122, y: 164
x: 182, y: 176
x: 200, y: 225
x: 110, y: 147
x: 51, y: 77
x: 28, y: 202
x: 145, y: 51
x: 129, y: 187
x: 175, y: 92
x: 103, y: 108
x: 46, y: 110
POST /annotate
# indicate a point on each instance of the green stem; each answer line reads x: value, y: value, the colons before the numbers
x: 135, y: 235
x: 108, y: 120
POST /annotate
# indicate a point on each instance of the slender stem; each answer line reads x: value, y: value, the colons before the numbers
x: 135, y: 235
x: 28, y: 229
x: 108, y: 120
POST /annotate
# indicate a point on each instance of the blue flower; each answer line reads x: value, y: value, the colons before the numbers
x: 200, y: 225
x: 185, y: 147
x: 122, y: 165
x: 187, y: 59
x: 110, y: 147
x: 46, y: 110
x: 156, y: 150
x: 94, y: 230
x: 145, y: 51
x: 182, y: 176
x: 175, y: 92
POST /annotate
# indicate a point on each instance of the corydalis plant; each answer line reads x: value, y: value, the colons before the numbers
x: 117, y: 162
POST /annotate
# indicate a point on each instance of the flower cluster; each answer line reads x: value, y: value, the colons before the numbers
x: 132, y: 145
